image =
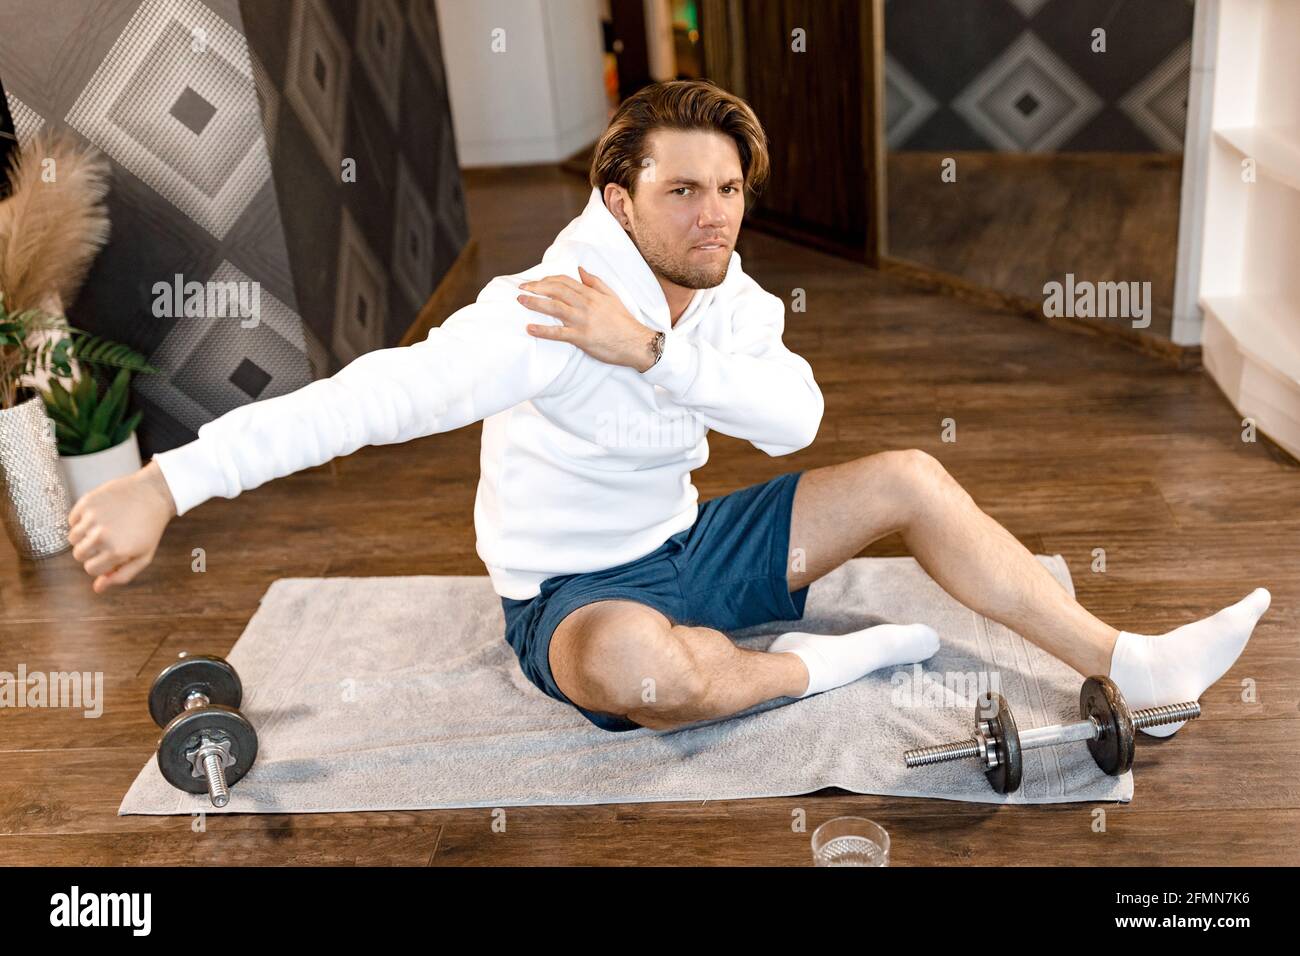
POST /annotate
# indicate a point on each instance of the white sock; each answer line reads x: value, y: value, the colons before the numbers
x: 1179, y: 666
x: 835, y: 659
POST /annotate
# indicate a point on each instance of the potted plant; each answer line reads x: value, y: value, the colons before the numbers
x: 96, y: 437
x: 53, y: 222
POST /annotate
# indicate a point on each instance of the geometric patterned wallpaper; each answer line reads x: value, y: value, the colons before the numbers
x: 228, y: 124
x: 1020, y: 75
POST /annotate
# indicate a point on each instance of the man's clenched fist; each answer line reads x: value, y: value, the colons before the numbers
x: 115, y: 529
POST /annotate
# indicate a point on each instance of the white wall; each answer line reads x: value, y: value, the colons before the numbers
x: 539, y: 100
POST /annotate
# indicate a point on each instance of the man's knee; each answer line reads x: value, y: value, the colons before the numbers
x: 909, y: 477
x: 917, y: 471
x: 634, y: 661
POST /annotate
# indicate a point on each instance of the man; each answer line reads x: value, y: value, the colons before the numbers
x: 596, y: 375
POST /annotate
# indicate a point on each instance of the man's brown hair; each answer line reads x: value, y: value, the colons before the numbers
x: 677, y: 104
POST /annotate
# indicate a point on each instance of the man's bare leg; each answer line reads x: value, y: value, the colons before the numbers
x: 620, y: 657
x: 841, y: 509
x: 624, y: 658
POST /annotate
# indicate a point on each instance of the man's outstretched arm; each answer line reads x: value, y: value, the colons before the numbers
x: 477, y: 363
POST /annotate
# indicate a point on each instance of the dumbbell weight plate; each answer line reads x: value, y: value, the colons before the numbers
x: 210, y: 676
x: 184, y: 734
x: 1005, y: 777
x: 1113, y: 751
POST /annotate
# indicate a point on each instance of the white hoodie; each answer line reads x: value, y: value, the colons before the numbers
x: 584, y: 465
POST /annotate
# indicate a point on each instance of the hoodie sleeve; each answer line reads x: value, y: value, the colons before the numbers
x: 480, y: 361
x: 756, y: 389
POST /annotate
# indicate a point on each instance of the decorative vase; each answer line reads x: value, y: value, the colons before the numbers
x: 33, y: 501
x: 83, y: 473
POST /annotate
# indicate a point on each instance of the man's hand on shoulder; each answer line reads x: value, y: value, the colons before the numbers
x: 594, y: 320
x: 115, y: 529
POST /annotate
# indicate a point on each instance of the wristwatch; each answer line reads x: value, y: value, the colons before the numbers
x: 657, y: 347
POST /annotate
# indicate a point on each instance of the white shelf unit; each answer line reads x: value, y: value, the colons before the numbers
x: 1249, y: 266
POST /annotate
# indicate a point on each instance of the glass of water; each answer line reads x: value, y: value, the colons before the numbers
x: 850, y: 841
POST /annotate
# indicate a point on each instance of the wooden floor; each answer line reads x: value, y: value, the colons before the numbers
x: 1072, y: 442
x: 1013, y: 221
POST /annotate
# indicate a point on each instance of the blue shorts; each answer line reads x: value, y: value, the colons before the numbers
x: 726, y: 571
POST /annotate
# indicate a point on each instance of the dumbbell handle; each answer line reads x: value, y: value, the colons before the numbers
x: 1036, y: 737
x: 1054, y: 734
x: 208, y: 759
x: 215, y: 772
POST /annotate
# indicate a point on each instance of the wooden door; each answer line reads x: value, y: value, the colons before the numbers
x: 813, y: 72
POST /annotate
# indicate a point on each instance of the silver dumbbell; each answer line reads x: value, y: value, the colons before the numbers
x: 1105, y: 722
x: 207, y: 744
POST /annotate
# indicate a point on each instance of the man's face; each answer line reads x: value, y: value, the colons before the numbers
x: 685, y: 214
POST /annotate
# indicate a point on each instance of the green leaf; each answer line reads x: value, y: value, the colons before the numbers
x: 99, y: 351
x: 103, y: 413
x: 125, y: 429
x: 115, y: 419
x: 119, y: 389
x: 116, y: 398
x: 69, y: 439
x: 96, y: 441
x: 58, y: 415
x: 83, y: 397
x: 58, y: 359
x: 59, y: 397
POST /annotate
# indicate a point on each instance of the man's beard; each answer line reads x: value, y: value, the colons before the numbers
x: 675, y: 268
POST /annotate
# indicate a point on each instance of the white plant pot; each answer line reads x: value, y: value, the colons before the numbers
x: 83, y: 473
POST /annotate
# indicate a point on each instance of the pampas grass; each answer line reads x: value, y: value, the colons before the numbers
x: 52, y: 225
x: 51, y: 231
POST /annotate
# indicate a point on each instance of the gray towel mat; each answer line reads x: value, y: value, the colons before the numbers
x: 400, y: 693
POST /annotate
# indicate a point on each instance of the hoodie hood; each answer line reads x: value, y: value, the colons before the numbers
x: 596, y: 241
